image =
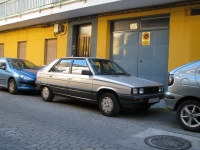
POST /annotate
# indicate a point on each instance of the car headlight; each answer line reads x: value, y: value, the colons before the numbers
x: 141, y: 90
x: 134, y: 91
x: 25, y: 77
x: 161, y: 89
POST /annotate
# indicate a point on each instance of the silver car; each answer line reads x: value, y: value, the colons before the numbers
x: 183, y: 95
x: 99, y: 81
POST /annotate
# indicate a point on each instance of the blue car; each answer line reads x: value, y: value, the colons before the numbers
x: 17, y: 74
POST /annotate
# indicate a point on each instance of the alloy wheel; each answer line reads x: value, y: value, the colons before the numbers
x: 190, y: 115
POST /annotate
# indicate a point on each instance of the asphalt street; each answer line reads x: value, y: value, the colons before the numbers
x: 27, y: 122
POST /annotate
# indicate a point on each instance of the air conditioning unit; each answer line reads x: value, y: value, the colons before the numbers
x: 58, y: 28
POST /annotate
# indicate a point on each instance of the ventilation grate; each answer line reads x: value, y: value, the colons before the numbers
x: 195, y: 11
x: 155, y: 23
x: 125, y: 25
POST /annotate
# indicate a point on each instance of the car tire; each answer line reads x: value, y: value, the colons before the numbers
x: 187, y: 115
x: 12, y: 87
x: 47, y: 95
x: 108, y: 104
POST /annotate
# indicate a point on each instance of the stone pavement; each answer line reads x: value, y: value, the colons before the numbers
x: 27, y: 122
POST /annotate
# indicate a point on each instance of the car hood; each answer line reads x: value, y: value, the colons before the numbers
x: 28, y: 72
x: 130, y: 81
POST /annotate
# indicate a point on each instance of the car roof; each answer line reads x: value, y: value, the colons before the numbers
x: 83, y: 58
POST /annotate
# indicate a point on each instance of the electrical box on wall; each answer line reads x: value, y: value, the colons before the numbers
x: 58, y: 28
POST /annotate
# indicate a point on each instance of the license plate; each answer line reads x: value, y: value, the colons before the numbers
x: 153, y: 100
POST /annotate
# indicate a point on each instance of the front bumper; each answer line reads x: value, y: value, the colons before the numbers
x: 140, y: 101
x: 171, y: 99
x: 27, y: 85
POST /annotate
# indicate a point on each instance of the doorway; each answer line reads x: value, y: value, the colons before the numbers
x: 84, y: 40
x: 144, y: 60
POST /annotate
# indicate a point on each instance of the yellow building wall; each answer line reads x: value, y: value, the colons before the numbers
x: 184, y: 44
x: 184, y: 41
x: 35, y: 43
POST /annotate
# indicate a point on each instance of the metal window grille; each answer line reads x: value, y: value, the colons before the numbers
x: 1, y: 50
x: 154, y: 22
x: 124, y: 25
x: 22, y: 50
x: 195, y: 11
x: 50, y: 51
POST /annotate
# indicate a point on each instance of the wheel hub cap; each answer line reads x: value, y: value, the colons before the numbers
x: 45, y: 92
x: 190, y: 115
x: 107, y: 104
x: 11, y: 86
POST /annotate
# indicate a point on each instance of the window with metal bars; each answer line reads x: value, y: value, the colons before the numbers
x: 195, y: 11
x: 21, y: 50
x: 154, y: 22
x: 50, y: 51
x: 125, y: 25
x: 1, y: 50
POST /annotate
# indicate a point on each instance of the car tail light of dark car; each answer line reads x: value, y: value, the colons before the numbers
x: 170, y: 79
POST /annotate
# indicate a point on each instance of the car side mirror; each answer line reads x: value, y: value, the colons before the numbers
x: 3, y: 67
x: 86, y: 72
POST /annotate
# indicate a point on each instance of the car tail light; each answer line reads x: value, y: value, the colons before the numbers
x: 170, y: 79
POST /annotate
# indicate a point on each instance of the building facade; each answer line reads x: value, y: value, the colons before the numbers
x: 146, y: 38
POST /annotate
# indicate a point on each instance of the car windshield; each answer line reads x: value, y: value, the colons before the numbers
x: 106, y: 67
x: 22, y: 64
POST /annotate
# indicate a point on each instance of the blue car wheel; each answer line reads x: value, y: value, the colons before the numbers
x: 12, y: 86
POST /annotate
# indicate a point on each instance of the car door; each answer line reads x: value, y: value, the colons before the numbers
x: 3, y: 72
x: 79, y: 86
x: 58, y: 77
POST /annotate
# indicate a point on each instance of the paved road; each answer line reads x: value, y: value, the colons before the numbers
x: 27, y: 122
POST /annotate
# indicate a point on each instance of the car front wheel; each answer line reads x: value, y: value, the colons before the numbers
x: 109, y: 105
x: 47, y: 95
x: 188, y: 115
x: 12, y: 86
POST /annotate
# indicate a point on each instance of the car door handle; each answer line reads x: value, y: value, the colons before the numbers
x: 50, y: 76
x: 139, y: 60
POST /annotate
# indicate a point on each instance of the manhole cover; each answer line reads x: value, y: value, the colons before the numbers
x: 167, y: 142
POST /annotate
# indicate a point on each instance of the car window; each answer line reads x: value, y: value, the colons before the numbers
x: 106, y: 67
x: 79, y: 65
x: 22, y: 64
x: 63, y: 66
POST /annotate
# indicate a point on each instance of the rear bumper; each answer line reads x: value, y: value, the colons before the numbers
x: 140, y: 101
x: 171, y: 99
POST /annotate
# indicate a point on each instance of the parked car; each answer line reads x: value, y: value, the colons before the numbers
x: 17, y: 74
x: 183, y: 95
x: 98, y: 81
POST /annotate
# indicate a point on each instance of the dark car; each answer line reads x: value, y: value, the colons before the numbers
x: 17, y: 74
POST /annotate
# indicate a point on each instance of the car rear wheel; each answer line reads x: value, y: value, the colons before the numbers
x: 108, y: 104
x: 47, y: 95
x: 12, y: 87
x: 188, y: 115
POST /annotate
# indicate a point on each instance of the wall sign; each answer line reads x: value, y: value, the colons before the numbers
x: 133, y: 26
x: 146, y: 38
